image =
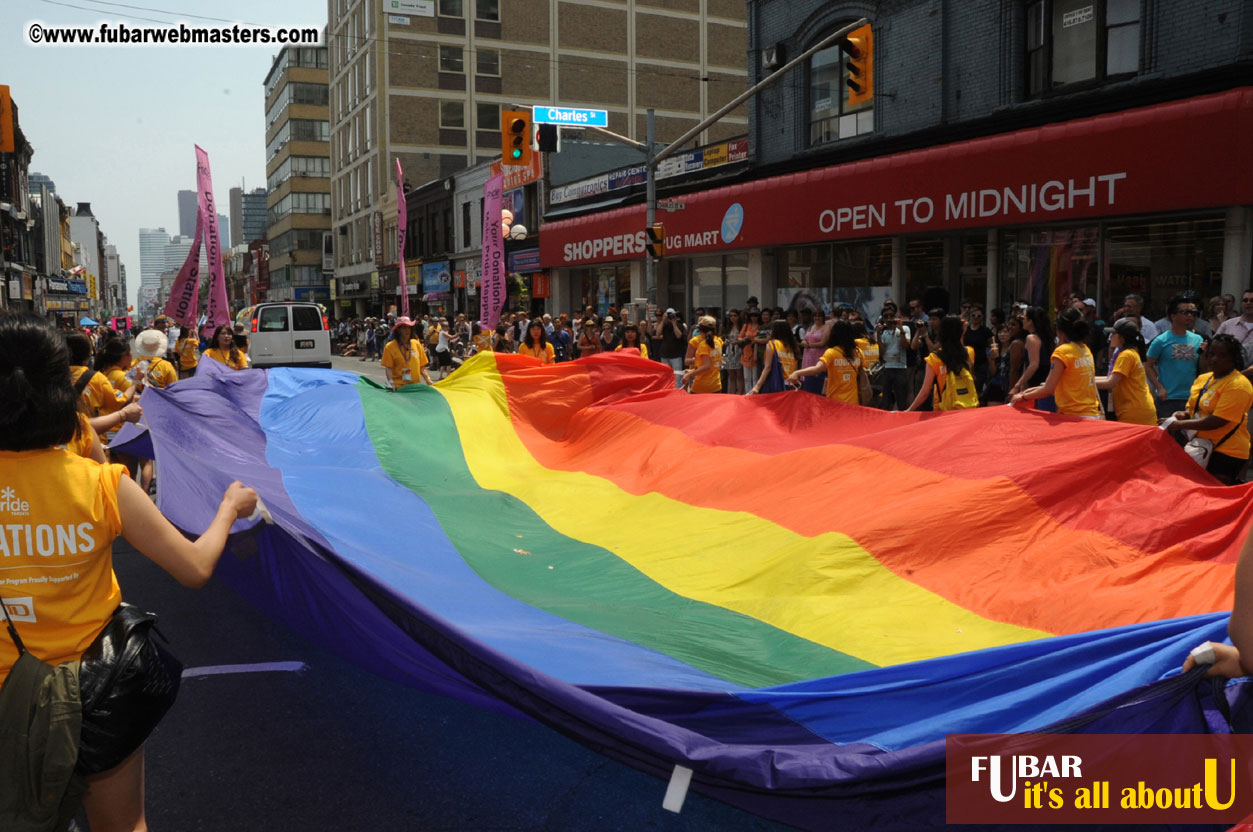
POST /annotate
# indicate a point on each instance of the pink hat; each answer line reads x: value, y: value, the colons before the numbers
x: 404, y: 321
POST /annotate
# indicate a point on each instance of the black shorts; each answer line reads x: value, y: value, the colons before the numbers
x: 1225, y: 467
x: 444, y: 358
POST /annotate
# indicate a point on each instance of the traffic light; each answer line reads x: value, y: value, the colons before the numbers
x: 859, y: 46
x: 656, y: 240
x: 547, y: 138
x: 515, y: 138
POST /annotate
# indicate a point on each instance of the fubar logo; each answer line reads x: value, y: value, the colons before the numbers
x: 11, y: 503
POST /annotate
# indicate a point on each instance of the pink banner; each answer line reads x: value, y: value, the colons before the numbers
x: 402, y: 221
x: 492, y: 292
x: 218, y: 311
x: 185, y: 293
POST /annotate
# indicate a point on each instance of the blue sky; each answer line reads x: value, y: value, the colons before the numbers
x: 115, y: 125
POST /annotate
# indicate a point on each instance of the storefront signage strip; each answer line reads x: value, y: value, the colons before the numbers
x: 693, y: 160
x: 1201, y: 156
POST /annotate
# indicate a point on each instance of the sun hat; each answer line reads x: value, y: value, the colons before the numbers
x: 151, y: 343
x: 404, y: 320
x: 608, y: 319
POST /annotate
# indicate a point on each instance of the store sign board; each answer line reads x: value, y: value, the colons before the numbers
x: 1089, y: 168
x: 690, y: 161
x: 516, y: 176
x: 422, y: 8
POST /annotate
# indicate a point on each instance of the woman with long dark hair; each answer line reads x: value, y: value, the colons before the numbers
x: 631, y: 340
x: 535, y: 343
x: 224, y: 350
x: 65, y: 491
x: 1218, y: 409
x: 1071, y: 380
x: 1035, y: 321
x: 782, y: 355
x: 843, y: 364
x: 946, y: 365
x: 732, y: 352
x: 705, y: 373
x: 1132, y: 399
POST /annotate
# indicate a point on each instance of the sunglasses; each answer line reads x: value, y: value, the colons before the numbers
x: 1191, y: 312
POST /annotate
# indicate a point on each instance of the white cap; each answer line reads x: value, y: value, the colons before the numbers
x: 1089, y: 302
x: 670, y: 311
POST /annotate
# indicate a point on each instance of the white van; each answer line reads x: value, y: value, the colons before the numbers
x: 287, y: 334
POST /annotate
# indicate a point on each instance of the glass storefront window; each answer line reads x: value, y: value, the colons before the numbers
x: 925, y: 270
x: 604, y: 286
x: 1161, y: 258
x: 858, y: 273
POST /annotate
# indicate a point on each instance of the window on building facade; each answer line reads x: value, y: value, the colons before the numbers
x: 487, y: 116
x: 487, y: 61
x: 487, y: 10
x: 452, y: 114
x: 465, y: 225
x: 451, y: 8
x: 1081, y: 41
x: 450, y: 59
x: 830, y: 117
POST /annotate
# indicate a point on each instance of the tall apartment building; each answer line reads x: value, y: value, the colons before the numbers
x: 426, y: 86
x: 298, y: 171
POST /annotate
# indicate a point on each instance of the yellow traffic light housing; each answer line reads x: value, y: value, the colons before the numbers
x: 859, y: 46
x: 656, y: 240
x: 515, y: 138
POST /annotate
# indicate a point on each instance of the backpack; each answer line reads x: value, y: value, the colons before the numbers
x: 959, y: 391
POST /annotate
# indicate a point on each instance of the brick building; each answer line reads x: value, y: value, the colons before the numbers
x: 1013, y: 149
x: 425, y: 84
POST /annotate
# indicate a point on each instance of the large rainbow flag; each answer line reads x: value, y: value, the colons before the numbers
x: 794, y: 598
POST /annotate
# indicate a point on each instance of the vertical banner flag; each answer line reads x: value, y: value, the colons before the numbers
x: 492, y: 292
x: 402, y: 220
x: 218, y: 311
x: 185, y: 293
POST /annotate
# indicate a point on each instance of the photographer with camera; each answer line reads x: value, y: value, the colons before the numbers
x: 671, y: 333
x: 893, y: 336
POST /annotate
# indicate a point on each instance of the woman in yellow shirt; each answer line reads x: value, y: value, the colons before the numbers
x: 188, y: 349
x: 782, y: 354
x: 224, y: 350
x: 631, y: 340
x: 482, y: 339
x: 535, y: 344
x: 86, y: 505
x: 1072, y: 378
x: 404, y: 357
x: 150, y: 348
x: 97, y: 395
x: 843, y: 364
x: 705, y: 373
x: 1133, y: 402
x: 951, y: 360
x: 1218, y: 410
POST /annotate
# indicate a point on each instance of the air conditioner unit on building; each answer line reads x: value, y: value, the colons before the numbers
x: 772, y: 57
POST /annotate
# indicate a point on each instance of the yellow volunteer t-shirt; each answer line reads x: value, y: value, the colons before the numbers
x: 940, y: 369
x: 99, y: 397
x: 1132, y: 400
x: 642, y: 347
x: 841, y: 375
x: 397, y: 360
x: 869, y: 351
x: 483, y: 342
x: 117, y: 377
x: 58, y: 518
x: 785, y: 358
x: 161, y: 373
x: 1076, y: 393
x: 1230, y: 398
x: 710, y: 380
x: 224, y: 357
x: 188, y: 352
x: 80, y: 445
x: 545, y: 354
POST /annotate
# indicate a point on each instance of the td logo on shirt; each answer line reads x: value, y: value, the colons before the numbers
x: 20, y: 609
x: 11, y: 503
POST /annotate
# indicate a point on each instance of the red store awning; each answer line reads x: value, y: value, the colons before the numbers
x: 1181, y: 155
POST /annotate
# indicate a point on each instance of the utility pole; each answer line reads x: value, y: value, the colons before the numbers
x: 650, y: 213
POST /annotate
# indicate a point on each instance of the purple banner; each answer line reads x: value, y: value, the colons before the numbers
x: 218, y: 311
x: 402, y: 220
x: 492, y: 293
x: 185, y: 293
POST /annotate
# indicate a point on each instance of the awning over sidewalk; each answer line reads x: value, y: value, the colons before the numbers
x: 1180, y: 155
